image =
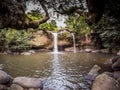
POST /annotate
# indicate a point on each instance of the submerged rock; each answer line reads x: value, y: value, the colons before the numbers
x: 105, y: 82
x: 28, y: 82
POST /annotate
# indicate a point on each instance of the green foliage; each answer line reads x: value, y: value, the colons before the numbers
x: 11, y: 39
x: 78, y: 24
x: 34, y: 15
x: 51, y: 26
x: 108, y: 30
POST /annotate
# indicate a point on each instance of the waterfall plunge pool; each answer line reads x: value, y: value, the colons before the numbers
x: 63, y: 71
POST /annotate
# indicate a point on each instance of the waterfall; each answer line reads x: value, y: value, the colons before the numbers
x: 55, y: 42
x: 74, y: 47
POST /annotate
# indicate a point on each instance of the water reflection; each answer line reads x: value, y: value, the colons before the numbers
x: 62, y: 78
x: 57, y: 80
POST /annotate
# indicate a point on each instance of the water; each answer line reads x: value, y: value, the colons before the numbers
x: 74, y: 47
x: 55, y: 42
x: 62, y: 71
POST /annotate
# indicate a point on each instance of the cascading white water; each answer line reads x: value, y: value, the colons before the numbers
x: 55, y: 42
x: 73, y: 42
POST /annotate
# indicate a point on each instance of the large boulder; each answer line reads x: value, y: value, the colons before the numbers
x: 16, y: 87
x: 92, y: 74
x: 4, y: 77
x: 105, y: 82
x: 28, y: 82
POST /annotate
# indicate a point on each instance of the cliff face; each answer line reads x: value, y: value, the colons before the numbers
x: 12, y: 14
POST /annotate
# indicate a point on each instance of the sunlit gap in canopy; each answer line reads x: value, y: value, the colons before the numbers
x: 60, y: 19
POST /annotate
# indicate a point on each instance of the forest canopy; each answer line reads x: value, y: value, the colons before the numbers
x: 12, y: 12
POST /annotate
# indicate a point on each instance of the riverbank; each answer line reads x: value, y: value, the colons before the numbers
x: 101, y: 79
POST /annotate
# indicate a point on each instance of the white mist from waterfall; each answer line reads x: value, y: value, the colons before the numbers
x: 55, y: 35
x: 74, y: 47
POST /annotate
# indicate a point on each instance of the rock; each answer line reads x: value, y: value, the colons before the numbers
x: 116, y: 65
x: 26, y: 53
x: 1, y: 67
x: 118, y: 53
x: 92, y: 74
x: 105, y: 82
x: 28, y: 82
x: 71, y: 49
x: 16, y: 87
x: 88, y: 50
x: 105, y: 50
x: 116, y: 74
x: 3, y: 87
x: 4, y: 77
x: 82, y: 51
x: 114, y: 59
x: 95, y: 69
x: 95, y: 51
x: 31, y: 51
x: 34, y: 89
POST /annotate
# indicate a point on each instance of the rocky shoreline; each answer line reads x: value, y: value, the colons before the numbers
x: 105, y: 80
x: 19, y: 83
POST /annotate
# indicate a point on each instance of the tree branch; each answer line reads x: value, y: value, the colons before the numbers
x: 36, y: 23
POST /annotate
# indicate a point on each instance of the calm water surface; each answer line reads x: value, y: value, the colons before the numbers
x: 63, y: 71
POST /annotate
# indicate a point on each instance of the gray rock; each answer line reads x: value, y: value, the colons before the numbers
x: 105, y: 82
x: 95, y: 51
x: 116, y: 65
x: 16, y: 87
x: 4, y: 77
x: 1, y: 67
x: 28, y: 82
x: 34, y: 89
x: 32, y: 51
x: 95, y: 70
x: 118, y: 53
x: 26, y: 53
x: 116, y: 74
x: 114, y: 59
x: 88, y: 50
x: 92, y: 74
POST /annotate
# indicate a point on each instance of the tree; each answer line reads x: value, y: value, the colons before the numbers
x: 78, y: 25
x: 12, y: 14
